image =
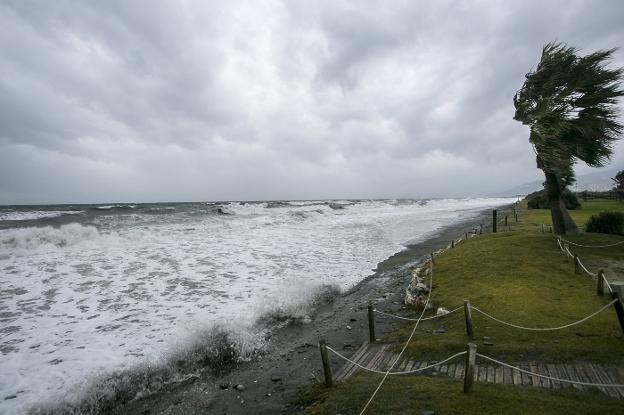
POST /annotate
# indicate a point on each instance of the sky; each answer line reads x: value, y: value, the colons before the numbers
x: 155, y: 100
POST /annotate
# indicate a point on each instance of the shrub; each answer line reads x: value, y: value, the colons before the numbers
x: 538, y: 200
x: 606, y: 222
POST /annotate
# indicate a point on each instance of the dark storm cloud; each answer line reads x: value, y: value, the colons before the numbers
x: 168, y: 100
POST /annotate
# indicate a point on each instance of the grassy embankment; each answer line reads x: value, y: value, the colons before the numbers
x: 520, y: 277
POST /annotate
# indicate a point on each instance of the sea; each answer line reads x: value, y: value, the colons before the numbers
x: 91, y: 291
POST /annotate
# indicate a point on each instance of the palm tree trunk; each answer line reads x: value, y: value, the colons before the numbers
x: 561, y: 220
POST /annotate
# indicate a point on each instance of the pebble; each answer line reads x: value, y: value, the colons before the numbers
x: 224, y: 385
x: 349, y: 327
x: 240, y: 387
x: 275, y: 379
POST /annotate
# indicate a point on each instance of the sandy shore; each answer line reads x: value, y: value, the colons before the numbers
x: 271, y: 384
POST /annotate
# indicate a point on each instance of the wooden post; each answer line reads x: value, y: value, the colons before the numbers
x: 543, y: 228
x: 371, y: 323
x: 432, y: 260
x: 600, y: 286
x: 468, y: 315
x: 506, y: 220
x: 466, y: 235
x: 494, y: 221
x: 516, y: 215
x: 326, y: 367
x: 577, y: 264
x: 471, y: 358
x: 481, y: 229
x: 619, y: 310
x: 453, y: 243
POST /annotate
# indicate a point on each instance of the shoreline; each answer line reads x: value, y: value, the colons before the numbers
x: 271, y: 382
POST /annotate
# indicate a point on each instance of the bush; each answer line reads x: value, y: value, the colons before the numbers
x: 538, y: 200
x: 606, y: 222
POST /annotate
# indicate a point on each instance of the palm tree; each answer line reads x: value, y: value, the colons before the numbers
x: 569, y: 103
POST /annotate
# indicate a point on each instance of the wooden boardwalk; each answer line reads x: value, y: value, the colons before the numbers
x: 380, y: 356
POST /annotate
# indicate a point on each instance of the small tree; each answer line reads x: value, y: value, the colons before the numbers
x: 569, y: 103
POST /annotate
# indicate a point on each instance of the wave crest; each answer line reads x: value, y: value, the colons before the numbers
x: 33, y: 238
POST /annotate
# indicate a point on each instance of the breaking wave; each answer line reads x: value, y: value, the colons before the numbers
x: 298, y: 306
x: 212, y: 352
x: 33, y: 238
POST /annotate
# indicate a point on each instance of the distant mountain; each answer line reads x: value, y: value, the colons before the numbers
x: 595, y: 181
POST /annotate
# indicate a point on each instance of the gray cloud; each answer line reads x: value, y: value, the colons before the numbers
x: 148, y: 101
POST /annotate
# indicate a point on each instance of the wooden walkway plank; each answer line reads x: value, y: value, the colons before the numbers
x: 506, y: 375
x: 357, y: 355
x: 351, y: 368
x: 542, y: 371
x: 535, y: 380
x: 516, y: 377
x: 572, y: 375
x: 553, y: 373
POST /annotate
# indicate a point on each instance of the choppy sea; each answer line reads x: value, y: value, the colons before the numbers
x: 91, y: 290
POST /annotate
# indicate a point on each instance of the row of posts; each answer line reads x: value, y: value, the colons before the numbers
x: 495, y: 221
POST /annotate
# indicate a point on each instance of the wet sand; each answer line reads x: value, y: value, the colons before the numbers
x: 293, y: 360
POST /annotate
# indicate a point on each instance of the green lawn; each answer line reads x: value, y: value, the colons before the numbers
x: 413, y: 394
x: 520, y: 277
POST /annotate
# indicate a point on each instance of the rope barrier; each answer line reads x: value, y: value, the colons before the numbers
x: 599, y: 385
x: 592, y: 246
x: 545, y: 328
x: 404, y: 346
x: 406, y: 372
x: 591, y: 274
x: 415, y: 319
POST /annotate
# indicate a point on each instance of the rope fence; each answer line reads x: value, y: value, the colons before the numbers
x: 591, y: 246
x: 405, y: 372
x: 545, y: 328
x: 414, y: 319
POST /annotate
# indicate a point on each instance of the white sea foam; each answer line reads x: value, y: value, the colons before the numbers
x: 33, y: 215
x: 79, y: 301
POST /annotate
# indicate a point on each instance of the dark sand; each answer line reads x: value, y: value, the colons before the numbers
x: 271, y: 384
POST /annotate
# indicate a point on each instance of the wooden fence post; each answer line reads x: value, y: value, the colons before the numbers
x: 326, y: 367
x: 371, y: 323
x: 466, y: 235
x: 577, y: 264
x: 494, y: 221
x: 619, y: 310
x: 468, y: 316
x: 453, y: 243
x: 471, y: 358
x: 432, y: 260
x: 481, y: 229
x: 600, y: 288
x: 516, y: 215
x: 506, y: 220
x: 543, y: 228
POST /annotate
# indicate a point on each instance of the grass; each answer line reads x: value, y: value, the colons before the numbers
x: 411, y: 395
x: 521, y: 277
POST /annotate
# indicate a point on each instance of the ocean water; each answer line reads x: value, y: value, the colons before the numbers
x: 88, y: 290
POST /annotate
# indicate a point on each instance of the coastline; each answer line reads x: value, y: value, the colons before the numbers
x: 271, y: 383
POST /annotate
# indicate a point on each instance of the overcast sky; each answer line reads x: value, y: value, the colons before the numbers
x: 104, y: 101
